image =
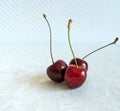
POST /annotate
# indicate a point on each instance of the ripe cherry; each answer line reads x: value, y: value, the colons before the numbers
x: 75, y: 75
x: 56, y: 71
x: 80, y: 62
x: 83, y: 63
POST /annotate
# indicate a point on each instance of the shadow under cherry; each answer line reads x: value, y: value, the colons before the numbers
x: 41, y: 80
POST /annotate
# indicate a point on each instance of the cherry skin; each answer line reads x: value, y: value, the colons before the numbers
x: 56, y: 71
x: 80, y: 62
x: 75, y: 76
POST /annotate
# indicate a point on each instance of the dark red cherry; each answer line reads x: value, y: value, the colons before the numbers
x: 75, y: 76
x: 80, y: 62
x: 56, y: 71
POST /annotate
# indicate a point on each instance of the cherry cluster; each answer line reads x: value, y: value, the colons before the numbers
x: 73, y: 74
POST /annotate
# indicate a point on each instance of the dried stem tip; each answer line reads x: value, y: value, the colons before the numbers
x: 69, y: 22
x: 116, y: 39
x: 44, y: 15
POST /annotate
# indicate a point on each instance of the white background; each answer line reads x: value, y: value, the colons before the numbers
x: 21, y: 21
x: 24, y: 54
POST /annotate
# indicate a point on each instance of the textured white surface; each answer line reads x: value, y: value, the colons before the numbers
x: 24, y: 85
x: 24, y: 54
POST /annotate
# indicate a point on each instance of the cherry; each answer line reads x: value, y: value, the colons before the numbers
x: 75, y: 76
x: 56, y: 71
x: 80, y: 62
x: 83, y: 63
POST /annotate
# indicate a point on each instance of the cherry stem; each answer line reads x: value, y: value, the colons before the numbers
x: 116, y: 39
x: 69, y: 24
x: 44, y: 15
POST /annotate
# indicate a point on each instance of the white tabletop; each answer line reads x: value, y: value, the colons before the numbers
x: 24, y: 85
